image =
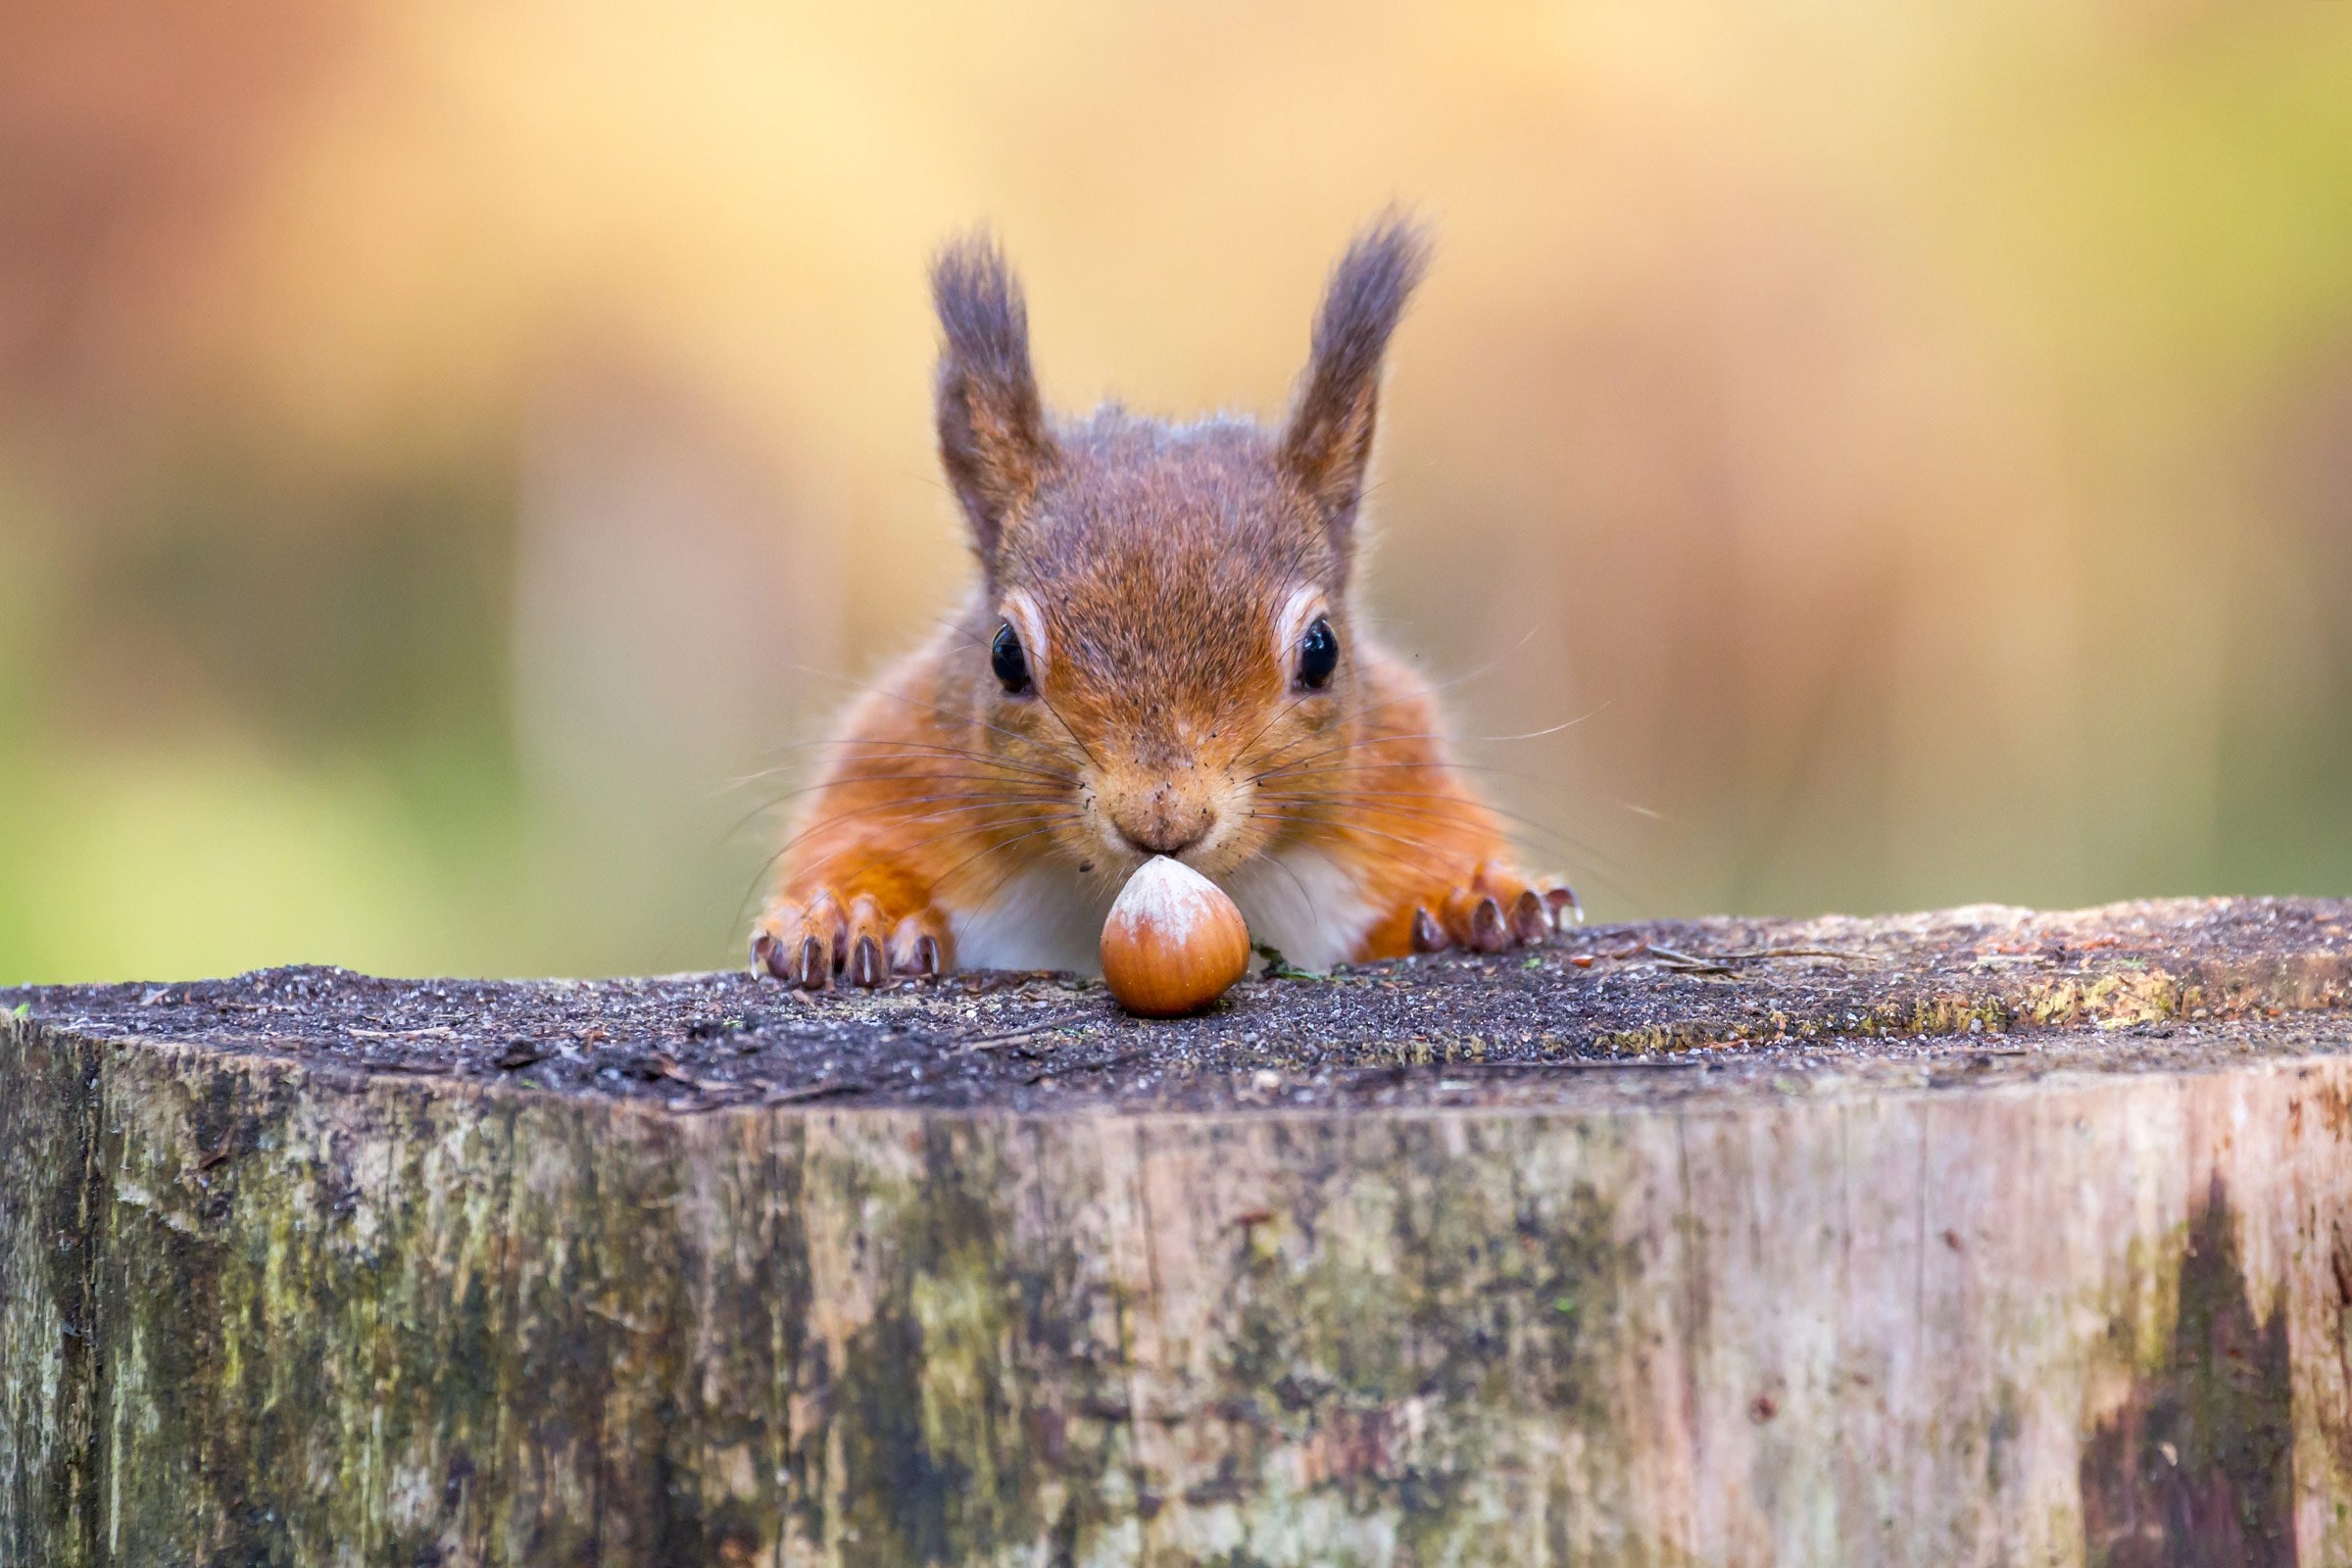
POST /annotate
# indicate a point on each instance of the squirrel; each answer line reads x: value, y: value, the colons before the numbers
x: 1163, y: 656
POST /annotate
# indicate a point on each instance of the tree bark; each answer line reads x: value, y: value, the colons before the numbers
x: 1983, y: 1237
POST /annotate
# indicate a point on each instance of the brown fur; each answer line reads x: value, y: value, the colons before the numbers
x: 1153, y: 561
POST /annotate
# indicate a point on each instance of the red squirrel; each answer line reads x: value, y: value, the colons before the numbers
x: 1162, y: 657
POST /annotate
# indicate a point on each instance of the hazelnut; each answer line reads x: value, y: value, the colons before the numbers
x: 1173, y: 942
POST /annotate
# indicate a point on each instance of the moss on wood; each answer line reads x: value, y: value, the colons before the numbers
x: 1989, y: 1250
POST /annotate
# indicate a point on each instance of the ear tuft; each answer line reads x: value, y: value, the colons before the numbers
x: 1329, y: 443
x: 992, y: 439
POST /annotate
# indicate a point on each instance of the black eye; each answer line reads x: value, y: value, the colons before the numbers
x: 1006, y: 658
x: 1318, y: 656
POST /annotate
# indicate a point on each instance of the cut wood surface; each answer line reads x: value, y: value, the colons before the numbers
x: 1980, y: 1237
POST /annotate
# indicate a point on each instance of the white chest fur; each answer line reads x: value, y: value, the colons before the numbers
x: 1299, y: 901
x: 1304, y: 902
x: 1048, y: 918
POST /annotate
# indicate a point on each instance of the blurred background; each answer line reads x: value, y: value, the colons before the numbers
x: 446, y: 448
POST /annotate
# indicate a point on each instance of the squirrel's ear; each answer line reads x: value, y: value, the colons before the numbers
x: 993, y: 438
x: 1329, y: 442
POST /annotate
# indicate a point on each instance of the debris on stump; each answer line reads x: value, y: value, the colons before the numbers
x: 1973, y: 1236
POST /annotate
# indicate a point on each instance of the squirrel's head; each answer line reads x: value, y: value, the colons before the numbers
x: 1167, y: 608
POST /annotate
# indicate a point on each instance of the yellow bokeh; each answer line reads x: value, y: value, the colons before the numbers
x: 447, y: 448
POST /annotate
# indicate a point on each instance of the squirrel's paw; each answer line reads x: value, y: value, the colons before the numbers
x: 807, y: 942
x: 1495, y: 910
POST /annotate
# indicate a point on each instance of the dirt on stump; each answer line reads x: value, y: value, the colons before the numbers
x: 1625, y: 1012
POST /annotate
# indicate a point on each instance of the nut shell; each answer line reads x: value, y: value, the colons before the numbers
x: 1173, y: 942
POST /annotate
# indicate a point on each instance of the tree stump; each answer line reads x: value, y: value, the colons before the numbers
x: 1980, y: 1237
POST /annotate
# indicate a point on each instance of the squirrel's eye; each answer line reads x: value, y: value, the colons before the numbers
x: 1006, y: 658
x: 1318, y: 656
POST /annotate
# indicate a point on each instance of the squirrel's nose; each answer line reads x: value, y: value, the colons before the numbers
x: 1159, y: 826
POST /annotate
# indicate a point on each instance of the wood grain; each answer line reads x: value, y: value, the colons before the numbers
x: 2073, y: 1287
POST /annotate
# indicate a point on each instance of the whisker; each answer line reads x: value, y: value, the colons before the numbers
x: 1341, y: 748
x: 935, y: 838
x: 1338, y: 828
x: 1374, y: 742
x: 913, y: 702
x: 987, y: 797
x: 892, y: 815
x: 1430, y: 689
x: 1427, y: 856
x: 768, y: 805
x: 1307, y: 898
x: 1006, y: 844
x: 1590, y: 864
x: 981, y: 898
x: 1358, y: 742
x: 1546, y: 844
x: 1561, y: 843
x: 1341, y: 822
x: 1343, y: 797
x: 1280, y: 713
x: 1345, y: 828
x: 815, y: 828
x: 1536, y: 734
x: 1066, y: 730
x: 1447, y: 766
x: 852, y: 779
x: 1339, y: 745
x: 913, y: 749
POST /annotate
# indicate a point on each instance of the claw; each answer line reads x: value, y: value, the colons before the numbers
x: 914, y: 951
x: 1487, y: 931
x: 771, y: 957
x: 1531, y: 921
x: 818, y: 941
x: 1564, y: 904
x: 1428, y: 935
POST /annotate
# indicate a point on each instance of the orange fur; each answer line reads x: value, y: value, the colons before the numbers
x: 1159, y: 581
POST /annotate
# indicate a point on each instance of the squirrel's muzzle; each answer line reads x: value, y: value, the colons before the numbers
x: 1162, y: 818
